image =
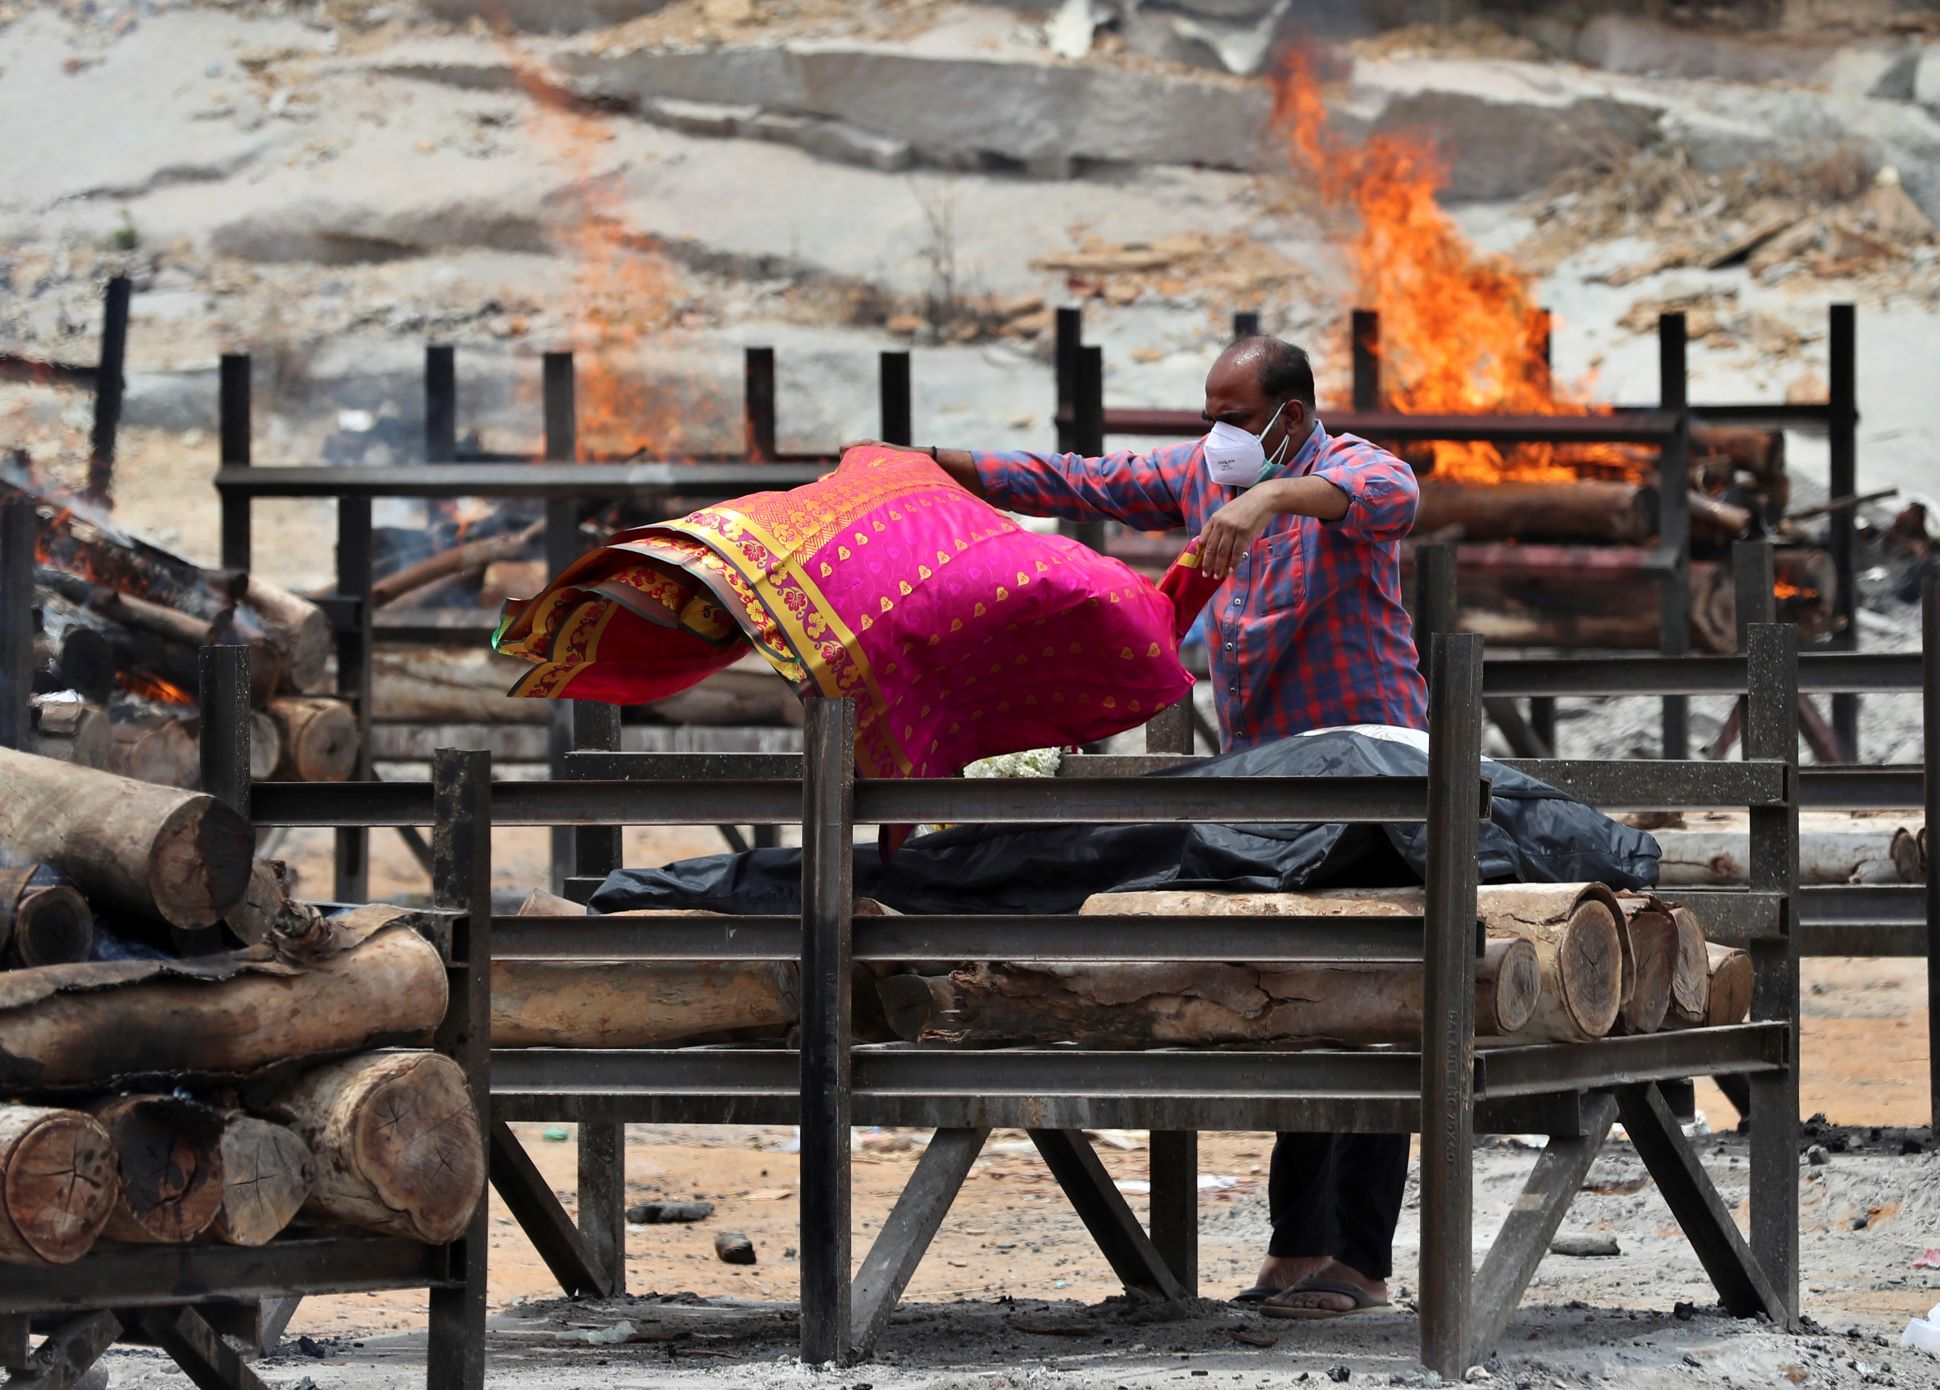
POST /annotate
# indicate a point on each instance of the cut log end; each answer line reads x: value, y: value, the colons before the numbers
x: 320, y: 740
x: 1691, y: 974
x: 267, y: 1174
x: 1653, y: 938
x: 1516, y: 990
x: 169, y: 1157
x: 1732, y: 978
x: 51, y: 926
x: 58, y: 1184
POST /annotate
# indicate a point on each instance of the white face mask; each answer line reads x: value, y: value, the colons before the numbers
x: 1237, y: 458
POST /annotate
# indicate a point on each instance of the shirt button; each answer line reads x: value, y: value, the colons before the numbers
x: 1229, y: 646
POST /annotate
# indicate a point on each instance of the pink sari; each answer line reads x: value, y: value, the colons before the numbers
x: 958, y: 634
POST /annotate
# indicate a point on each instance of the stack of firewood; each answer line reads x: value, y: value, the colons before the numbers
x: 1563, y: 963
x: 153, y: 1096
x: 118, y: 626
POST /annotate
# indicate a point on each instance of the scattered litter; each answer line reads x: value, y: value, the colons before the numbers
x: 554, y: 1135
x: 771, y: 1194
x: 1929, y: 1259
x: 1924, y: 1333
x: 1127, y: 1139
x: 733, y: 1248
x: 1047, y: 1325
x: 1217, y: 1182
x: 617, y: 1334
x: 1132, y: 1186
x: 668, y: 1213
x: 1585, y: 1247
x: 1252, y: 1338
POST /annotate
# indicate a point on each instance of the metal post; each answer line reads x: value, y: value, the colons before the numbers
x: 222, y: 693
x: 440, y: 404
x: 1448, y: 1004
x: 602, y: 1144
x: 354, y: 650
x: 1772, y: 734
x: 1246, y: 324
x: 1088, y: 432
x: 1753, y: 573
x: 1070, y: 342
x: 109, y: 385
x: 1173, y: 1158
x: 233, y: 405
x: 1930, y: 710
x: 1366, y: 350
x: 893, y: 379
x: 18, y: 521
x: 1542, y: 708
x: 1674, y: 523
x: 562, y: 548
x: 461, y: 880
x: 759, y: 372
x: 1434, y: 598
x: 828, y: 865
x: 1842, y: 429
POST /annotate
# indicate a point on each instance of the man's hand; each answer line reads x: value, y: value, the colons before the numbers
x: 1231, y: 531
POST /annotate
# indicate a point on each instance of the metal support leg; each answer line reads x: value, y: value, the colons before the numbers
x: 1064, y: 358
x: 828, y: 902
x: 461, y: 797
x: 440, y: 403
x: 1674, y: 524
x: 1174, y: 1168
x: 1532, y: 1222
x: 233, y: 411
x: 1930, y: 711
x: 1088, y: 431
x: 562, y: 548
x: 578, y: 1267
x: 759, y: 382
x: 1366, y: 341
x: 1121, y: 1240
x: 907, y: 1232
x: 18, y: 522
x: 354, y: 649
x: 1742, y: 1280
x: 1771, y: 733
x: 206, y: 1359
x: 893, y: 387
x: 1842, y: 467
x: 109, y: 387
x: 1448, y: 1046
x: 65, y: 1354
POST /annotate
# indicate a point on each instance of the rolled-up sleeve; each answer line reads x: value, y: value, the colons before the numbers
x: 1382, y: 493
x: 1141, y: 490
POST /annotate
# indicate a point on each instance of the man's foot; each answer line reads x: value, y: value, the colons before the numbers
x: 1281, y: 1272
x: 1374, y: 1291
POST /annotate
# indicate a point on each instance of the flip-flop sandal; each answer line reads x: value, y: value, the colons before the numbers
x: 1364, y: 1302
x: 1259, y: 1293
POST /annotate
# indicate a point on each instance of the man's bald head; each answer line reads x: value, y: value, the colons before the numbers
x: 1260, y: 382
x: 1282, y: 370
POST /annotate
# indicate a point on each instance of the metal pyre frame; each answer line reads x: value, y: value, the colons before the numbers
x: 199, y: 1303
x: 1447, y: 1091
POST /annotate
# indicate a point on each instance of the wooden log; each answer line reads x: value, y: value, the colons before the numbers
x: 265, y: 744
x: 1691, y: 973
x: 1147, y: 1004
x: 319, y: 738
x: 168, y: 1153
x: 267, y: 1175
x: 1858, y: 851
x: 397, y: 1144
x: 1728, y: 989
x: 1582, y: 509
x: 1714, y: 519
x: 579, y: 1003
x: 81, y: 660
x: 1653, y: 939
x: 58, y: 1184
x: 437, y: 685
x: 298, y: 631
x: 1909, y: 854
x: 1594, y: 609
x: 181, y: 856
x: 467, y: 557
x: 506, y: 579
x: 267, y: 913
x: 162, y: 751
x: 72, y: 731
x: 1575, y: 927
x: 42, y: 922
x: 387, y: 989
x: 152, y: 635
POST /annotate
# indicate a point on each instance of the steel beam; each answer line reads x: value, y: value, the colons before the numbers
x: 908, y: 1230
x: 1532, y: 1223
x: 580, y: 1269
x: 1743, y: 1048
x: 1116, y: 1232
x: 611, y: 482
x: 205, y: 1358
x: 828, y: 900
x: 66, y: 1352
x: 1663, y: 784
x: 1930, y: 724
x: 18, y: 525
x: 141, y: 1276
x: 1172, y: 1163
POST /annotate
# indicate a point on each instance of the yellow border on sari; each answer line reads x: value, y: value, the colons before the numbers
x: 549, y: 678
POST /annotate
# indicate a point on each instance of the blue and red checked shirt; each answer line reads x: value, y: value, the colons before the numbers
x: 1309, y: 631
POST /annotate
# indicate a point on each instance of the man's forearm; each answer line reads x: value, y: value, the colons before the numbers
x: 1307, y: 496
x: 962, y: 469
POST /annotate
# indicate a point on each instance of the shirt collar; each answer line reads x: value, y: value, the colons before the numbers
x: 1308, y: 454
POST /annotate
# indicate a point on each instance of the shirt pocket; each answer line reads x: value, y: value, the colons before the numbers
x: 1283, y: 579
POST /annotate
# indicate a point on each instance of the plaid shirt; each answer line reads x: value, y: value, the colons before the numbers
x: 1309, y: 632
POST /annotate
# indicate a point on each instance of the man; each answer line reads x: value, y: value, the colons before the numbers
x: 1309, y: 634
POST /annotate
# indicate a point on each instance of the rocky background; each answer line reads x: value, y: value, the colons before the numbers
x: 331, y: 185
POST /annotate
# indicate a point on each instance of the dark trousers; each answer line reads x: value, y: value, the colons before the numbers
x: 1338, y: 1195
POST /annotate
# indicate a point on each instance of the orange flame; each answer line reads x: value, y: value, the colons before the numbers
x: 1784, y: 589
x: 624, y: 289
x: 152, y: 687
x: 1460, y: 331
